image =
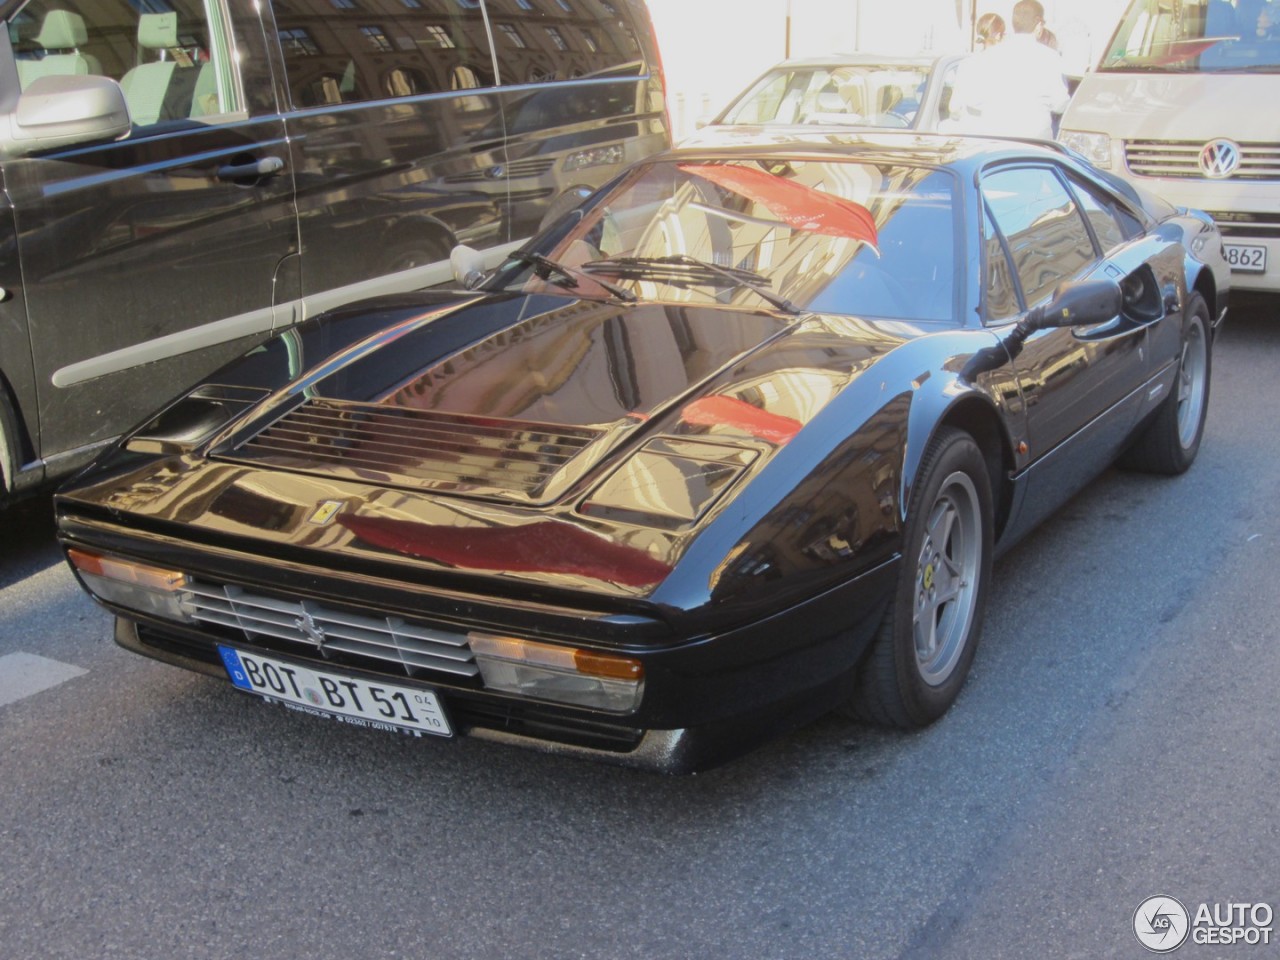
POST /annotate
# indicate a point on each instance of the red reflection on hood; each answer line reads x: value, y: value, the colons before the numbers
x: 797, y: 205
x: 545, y: 546
x: 732, y: 412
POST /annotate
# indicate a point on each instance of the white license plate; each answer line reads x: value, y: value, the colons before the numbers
x: 1246, y: 258
x: 380, y: 705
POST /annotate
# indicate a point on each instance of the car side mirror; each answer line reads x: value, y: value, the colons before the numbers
x: 468, y: 266
x: 61, y: 111
x: 1074, y: 304
x: 1079, y: 303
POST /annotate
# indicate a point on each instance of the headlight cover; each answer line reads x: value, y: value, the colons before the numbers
x: 595, y: 157
x: 1094, y: 147
x: 190, y: 421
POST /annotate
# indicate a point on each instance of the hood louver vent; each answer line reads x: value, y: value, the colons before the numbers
x: 401, y: 446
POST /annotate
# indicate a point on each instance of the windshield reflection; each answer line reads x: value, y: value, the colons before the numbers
x: 831, y: 236
x: 1189, y: 36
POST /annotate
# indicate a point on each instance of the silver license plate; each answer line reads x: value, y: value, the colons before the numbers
x: 1246, y: 258
x: 384, y: 706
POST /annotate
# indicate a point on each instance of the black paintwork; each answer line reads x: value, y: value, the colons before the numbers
x: 750, y: 578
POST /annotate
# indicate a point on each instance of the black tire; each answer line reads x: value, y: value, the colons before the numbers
x: 411, y: 252
x: 8, y: 441
x: 912, y: 674
x: 1169, y: 443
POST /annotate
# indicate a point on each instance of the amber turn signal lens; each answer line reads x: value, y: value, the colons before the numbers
x: 599, y: 665
x: 126, y: 571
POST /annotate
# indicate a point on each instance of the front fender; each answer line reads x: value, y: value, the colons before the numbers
x: 947, y: 394
x: 830, y: 504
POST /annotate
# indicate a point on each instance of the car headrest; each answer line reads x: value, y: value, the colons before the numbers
x: 158, y: 31
x: 62, y: 30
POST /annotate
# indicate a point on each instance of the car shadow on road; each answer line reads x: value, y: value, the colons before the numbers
x: 28, y: 539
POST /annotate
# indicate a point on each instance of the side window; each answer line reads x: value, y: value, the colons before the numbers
x: 173, y: 59
x: 948, y: 87
x: 360, y: 50
x: 541, y: 41
x: 1110, y: 224
x: 1043, y: 227
x: 1000, y: 300
x: 764, y: 103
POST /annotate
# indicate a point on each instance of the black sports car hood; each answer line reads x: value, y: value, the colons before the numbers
x: 516, y: 415
x: 543, y: 441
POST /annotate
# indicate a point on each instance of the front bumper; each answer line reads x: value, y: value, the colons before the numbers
x: 706, y: 701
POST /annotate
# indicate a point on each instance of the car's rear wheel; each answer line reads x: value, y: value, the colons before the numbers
x: 1170, y: 442
x: 922, y: 653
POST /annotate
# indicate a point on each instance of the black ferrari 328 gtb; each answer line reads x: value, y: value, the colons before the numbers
x: 730, y: 445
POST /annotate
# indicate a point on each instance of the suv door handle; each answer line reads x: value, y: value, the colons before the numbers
x: 255, y: 170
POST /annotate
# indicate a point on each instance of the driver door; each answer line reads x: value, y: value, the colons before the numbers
x: 1080, y: 385
x: 149, y: 261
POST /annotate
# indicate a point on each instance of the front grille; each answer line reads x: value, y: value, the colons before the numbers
x: 1233, y: 223
x: 403, y: 446
x: 310, y: 629
x: 526, y: 196
x: 1181, y: 159
x: 541, y: 723
x: 531, y: 167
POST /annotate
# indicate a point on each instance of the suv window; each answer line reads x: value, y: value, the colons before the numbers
x: 1042, y: 226
x: 177, y: 64
x: 564, y: 39
x: 352, y: 53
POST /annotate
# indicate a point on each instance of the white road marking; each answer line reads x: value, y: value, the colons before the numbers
x: 23, y: 674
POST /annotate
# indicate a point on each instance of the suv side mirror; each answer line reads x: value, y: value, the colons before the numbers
x: 468, y: 266
x: 1079, y: 303
x: 61, y: 111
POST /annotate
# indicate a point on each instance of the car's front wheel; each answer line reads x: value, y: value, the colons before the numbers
x: 922, y: 653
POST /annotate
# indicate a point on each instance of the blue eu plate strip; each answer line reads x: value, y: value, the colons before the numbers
x: 235, y: 670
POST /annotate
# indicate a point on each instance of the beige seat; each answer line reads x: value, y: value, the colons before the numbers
x: 146, y: 85
x: 172, y: 86
x: 64, y: 32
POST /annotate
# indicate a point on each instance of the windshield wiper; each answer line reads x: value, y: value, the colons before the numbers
x: 681, y: 266
x: 544, y: 267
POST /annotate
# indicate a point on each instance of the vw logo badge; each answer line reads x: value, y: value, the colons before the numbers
x: 1219, y: 159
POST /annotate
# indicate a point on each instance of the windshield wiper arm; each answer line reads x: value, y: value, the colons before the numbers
x: 544, y: 267
x: 681, y: 265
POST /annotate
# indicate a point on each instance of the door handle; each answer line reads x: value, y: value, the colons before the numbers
x: 254, y: 170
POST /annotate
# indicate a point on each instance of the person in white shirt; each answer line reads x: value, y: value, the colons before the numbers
x: 1013, y: 88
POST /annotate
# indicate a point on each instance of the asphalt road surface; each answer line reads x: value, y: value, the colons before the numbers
x: 1117, y: 741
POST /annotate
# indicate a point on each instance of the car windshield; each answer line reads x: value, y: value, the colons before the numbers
x: 875, y: 95
x: 833, y: 236
x: 1196, y: 36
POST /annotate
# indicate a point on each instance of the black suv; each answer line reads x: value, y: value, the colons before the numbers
x: 181, y: 182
